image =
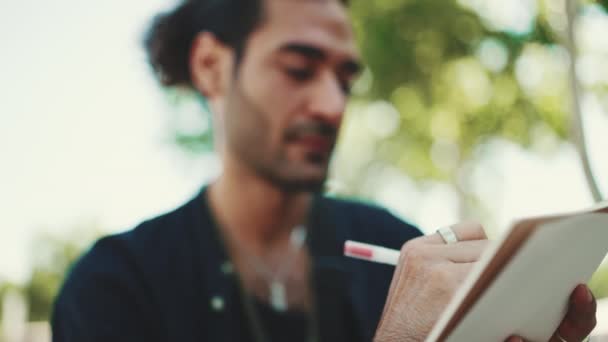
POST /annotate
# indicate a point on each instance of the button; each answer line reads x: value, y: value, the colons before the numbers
x: 227, y: 267
x: 217, y: 303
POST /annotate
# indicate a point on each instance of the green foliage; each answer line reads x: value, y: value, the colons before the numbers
x: 40, y: 292
x: 599, y: 282
x: 424, y: 58
x: 4, y: 289
x: 190, y: 123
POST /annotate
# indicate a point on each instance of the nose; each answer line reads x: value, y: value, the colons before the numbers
x: 328, y: 100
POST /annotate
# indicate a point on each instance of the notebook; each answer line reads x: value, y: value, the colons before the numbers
x: 522, y: 283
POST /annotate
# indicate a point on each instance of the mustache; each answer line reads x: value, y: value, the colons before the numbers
x: 311, y: 128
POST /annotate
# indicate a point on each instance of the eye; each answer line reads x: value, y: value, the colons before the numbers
x: 299, y: 74
x: 346, y: 87
x: 346, y: 83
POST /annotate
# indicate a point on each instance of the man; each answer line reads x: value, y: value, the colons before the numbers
x: 256, y: 256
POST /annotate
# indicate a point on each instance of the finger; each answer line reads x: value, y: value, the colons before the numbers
x: 514, y: 339
x: 464, y: 252
x: 449, y: 277
x: 583, y: 305
x: 463, y: 270
x: 461, y: 252
x: 580, y: 318
x: 464, y: 231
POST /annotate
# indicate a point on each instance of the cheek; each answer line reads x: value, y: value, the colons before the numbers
x: 276, y: 92
x: 277, y: 101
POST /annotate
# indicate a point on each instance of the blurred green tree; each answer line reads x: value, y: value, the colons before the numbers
x: 457, y: 76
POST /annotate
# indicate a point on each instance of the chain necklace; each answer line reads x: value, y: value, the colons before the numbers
x: 276, y: 279
x: 257, y: 328
x: 277, y: 289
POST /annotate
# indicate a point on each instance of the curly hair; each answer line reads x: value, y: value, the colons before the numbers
x: 169, y: 39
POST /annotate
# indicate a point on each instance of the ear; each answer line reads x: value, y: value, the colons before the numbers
x: 210, y: 65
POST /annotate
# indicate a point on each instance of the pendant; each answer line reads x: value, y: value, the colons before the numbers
x: 278, y: 296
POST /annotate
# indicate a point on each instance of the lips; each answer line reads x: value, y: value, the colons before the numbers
x: 316, y: 137
x: 316, y: 143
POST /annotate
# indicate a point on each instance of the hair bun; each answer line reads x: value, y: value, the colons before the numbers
x: 168, y: 42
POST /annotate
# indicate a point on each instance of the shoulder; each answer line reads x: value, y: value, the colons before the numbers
x: 147, y: 240
x: 371, y: 223
x: 126, y: 264
x: 144, y: 244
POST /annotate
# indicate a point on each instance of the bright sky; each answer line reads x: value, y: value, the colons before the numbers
x: 81, y: 136
x: 81, y: 124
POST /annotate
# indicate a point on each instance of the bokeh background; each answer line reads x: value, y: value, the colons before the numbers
x: 468, y: 109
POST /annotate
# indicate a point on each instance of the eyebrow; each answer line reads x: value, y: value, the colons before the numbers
x: 351, y: 65
x: 304, y: 50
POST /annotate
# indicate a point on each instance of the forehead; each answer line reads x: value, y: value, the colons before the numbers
x: 323, y: 24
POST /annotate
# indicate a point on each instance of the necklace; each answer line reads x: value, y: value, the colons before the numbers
x: 276, y: 279
x: 277, y: 290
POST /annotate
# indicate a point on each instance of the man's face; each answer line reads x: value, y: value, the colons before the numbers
x: 286, y: 99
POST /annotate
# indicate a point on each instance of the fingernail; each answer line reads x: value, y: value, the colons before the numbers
x: 589, y: 295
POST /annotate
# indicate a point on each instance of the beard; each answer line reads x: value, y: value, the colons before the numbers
x: 248, y: 137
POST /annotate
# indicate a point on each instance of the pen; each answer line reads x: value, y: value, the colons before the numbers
x: 365, y: 251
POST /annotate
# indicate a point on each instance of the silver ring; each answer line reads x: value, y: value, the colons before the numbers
x: 447, y: 234
x: 560, y: 337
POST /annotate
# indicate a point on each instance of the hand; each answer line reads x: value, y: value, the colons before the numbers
x: 428, y: 274
x: 579, y: 320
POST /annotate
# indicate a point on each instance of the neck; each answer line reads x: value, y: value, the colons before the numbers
x: 254, y: 211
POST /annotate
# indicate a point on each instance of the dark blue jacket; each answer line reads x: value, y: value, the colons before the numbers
x: 158, y: 281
